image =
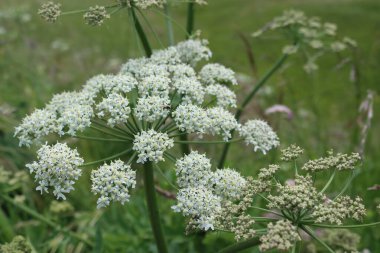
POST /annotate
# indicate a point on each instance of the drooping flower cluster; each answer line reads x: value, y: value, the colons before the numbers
x: 314, y: 36
x: 112, y: 182
x: 203, y: 192
x: 57, y: 167
x: 339, y: 161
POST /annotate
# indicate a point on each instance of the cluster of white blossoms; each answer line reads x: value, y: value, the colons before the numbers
x: 148, y: 105
x: 112, y: 182
x: 310, y: 33
x: 259, y: 134
x: 57, y: 167
x: 203, y: 192
x: 338, y: 161
x: 151, y: 145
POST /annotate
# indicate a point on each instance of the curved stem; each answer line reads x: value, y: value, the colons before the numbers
x: 141, y: 33
x: 345, y: 226
x: 153, y: 208
x: 241, y: 246
x: 45, y: 220
x: 329, y: 182
x: 239, y: 112
x: 107, y: 158
x: 190, y: 19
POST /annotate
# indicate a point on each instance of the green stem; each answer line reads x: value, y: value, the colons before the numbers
x: 311, y: 233
x: 329, y: 182
x: 169, y: 24
x: 41, y: 218
x: 98, y: 139
x: 184, y: 144
x: 190, y: 19
x: 241, y: 246
x: 107, y: 158
x: 111, y: 134
x: 153, y: 208
x: 6, y: 229
x: 141, y: 33
x: 239, y: 112
x: 346, y: 226
x: 209, y: 142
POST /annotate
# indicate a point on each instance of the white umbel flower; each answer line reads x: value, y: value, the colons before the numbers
x: 191, y: 89
x: 115, y: 108
x: 221, y: 122
x: 193, y: 51
x: 133, y: 66
x: 199, y: 203
x: 151, y: 145
x: 228, y: 183
x: 193, y: 170
x: 168, y: 57
x: 224, y: 96
x: 154, y: 86
x: 112, y: 182
x: 65, y: 100
x: 152, y: 108
x: 181, y: 71
x: 191, y: 118
x: 259, y: 134
x: 75, y: 118
x: 215, y: 73
x: 36, y: 125
x: 57, y: 167
x: 122, y: 83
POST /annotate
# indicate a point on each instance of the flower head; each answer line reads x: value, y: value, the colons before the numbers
x: 115, y: 108
x: 57, y: 167
x: 151, y: 145
x: 259, y: 134
x: 96, y: 15
x: 50, y: 11
x: 228, y: 183
x: 112, y: 182
x: 152, y: 108
x: 215, y: 73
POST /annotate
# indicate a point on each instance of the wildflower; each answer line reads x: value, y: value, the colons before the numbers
x: 144, y: 4
x: 215, y: 73
x: 151, y: 145
x: 338, y: 161
x: 152, y: 108
x: 96, y: 15
x: 193, y: 51
x: 259, y: 134
x: 200, y: 203
x: 18, y: 245
x: 50, y: 11
x: 40, y: 123
x: 228, y: 183
x: 221, y: 122
x: 191, y: 89
x: 122, y: 83
x: 154, y: 85
x: 61, y: 207
x: 339, y: 209
x: 291, y: 153
x: 193, y: 170
x: 191, y: 118
x: 115, y: 108
x: 341, y: 239
x: 224, y: 96
x: 57, y: 167
x: 281, y: 235
x: 112, y: 182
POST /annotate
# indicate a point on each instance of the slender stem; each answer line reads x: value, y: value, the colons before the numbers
x: 239, y: 112
x: 329, y: 182
x: 209, y: 142
x: 98, y: 139
x: 153, y: 208
x: 315, y: 237
x: 241, y: 246
x: 267, y: 210
x: 190, y: 19
x: 108, y: 158
x: 111, y: 134
x: 141, y: 34
x: 184, y: 144
x: 169, y: 24
x: 348, y: 183
x: 45, y: 220
x: 346, y: 226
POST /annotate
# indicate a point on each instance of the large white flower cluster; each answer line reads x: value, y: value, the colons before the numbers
x: 112, y: 182
x: 57, y: 167
x: 203, y: 191
x: 115, y: 108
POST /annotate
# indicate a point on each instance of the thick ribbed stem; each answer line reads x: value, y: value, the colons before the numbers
x: 239, y: 112
x: 241, y: 246
x: 141, y: 34
x: 154, y: 215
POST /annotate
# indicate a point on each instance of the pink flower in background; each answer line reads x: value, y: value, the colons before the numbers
x: 280, y: 109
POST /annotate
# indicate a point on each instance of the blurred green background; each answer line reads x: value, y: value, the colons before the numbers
x: 38, y: 59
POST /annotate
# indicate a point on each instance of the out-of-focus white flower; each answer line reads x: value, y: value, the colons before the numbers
x: 259, y: 134
x: 151, y: 145
x: 112, y: 182
x: 96, y: 15
x: 115, y: 108
x: 57, y: 167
